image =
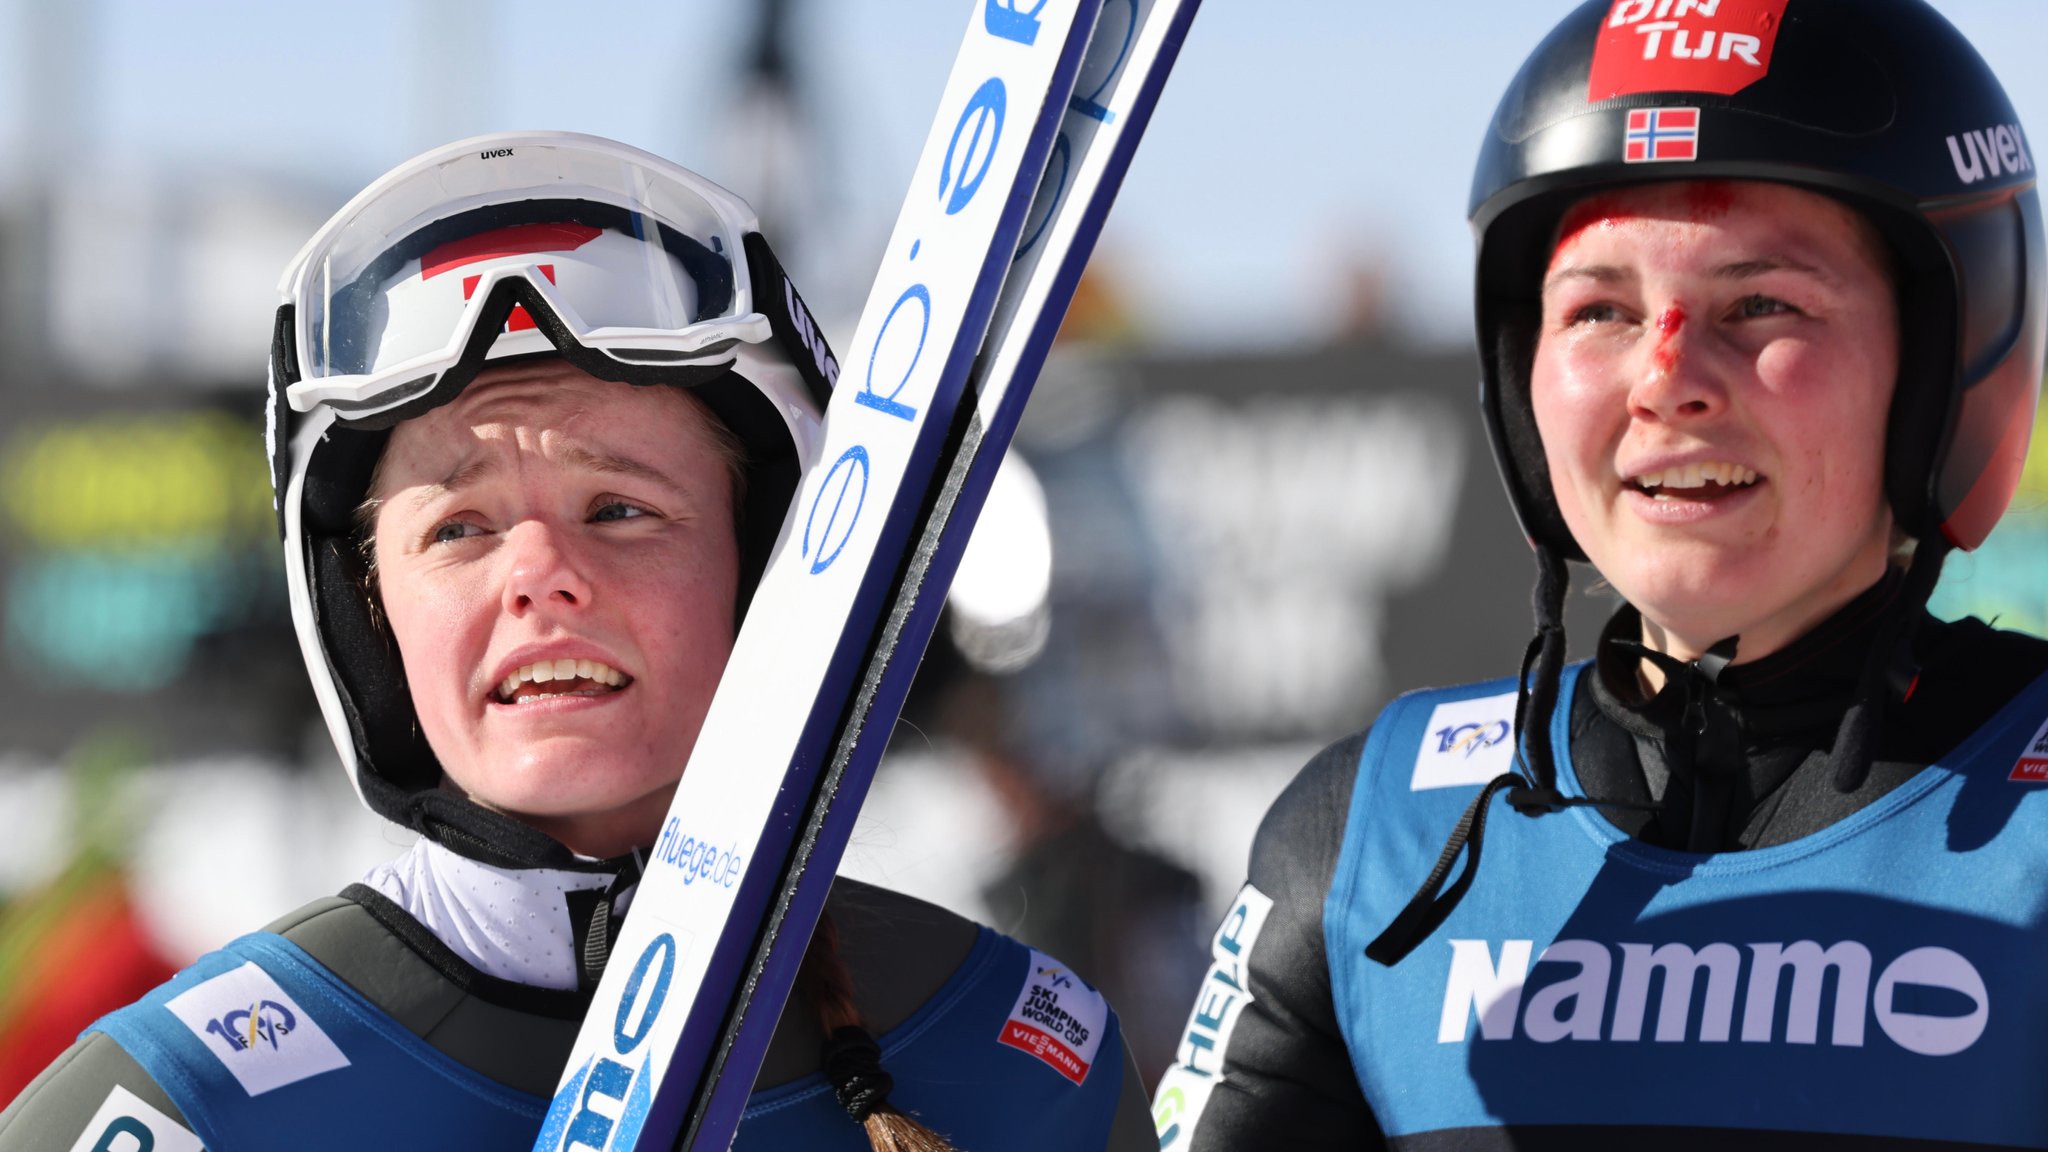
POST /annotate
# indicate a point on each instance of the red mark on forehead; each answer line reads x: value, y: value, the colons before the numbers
x: 1692, y: 202
x: 1669, y: 323
x: 1709, y: 199
x: 1592, y: 212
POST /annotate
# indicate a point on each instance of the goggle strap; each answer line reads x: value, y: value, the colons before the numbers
x: 516, y: 292
x: 284, y: 372
x: 790, y: 319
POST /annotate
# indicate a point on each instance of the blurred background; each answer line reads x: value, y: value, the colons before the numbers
x: 1250, y: 501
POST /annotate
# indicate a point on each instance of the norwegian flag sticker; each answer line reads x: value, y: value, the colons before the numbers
x: 2032, y: 765
x: 1660, y: 134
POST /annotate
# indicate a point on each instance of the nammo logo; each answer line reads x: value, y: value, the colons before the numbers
x: 1470, y: 738
x: 260, y: 1025
x: 1605, y: 994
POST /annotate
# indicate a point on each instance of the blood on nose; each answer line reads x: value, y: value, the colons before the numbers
x: 1669, y: 323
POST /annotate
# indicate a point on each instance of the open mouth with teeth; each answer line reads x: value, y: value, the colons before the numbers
x: 1706, y: 480
x: 548, y: 679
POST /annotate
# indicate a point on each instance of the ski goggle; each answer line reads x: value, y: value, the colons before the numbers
x: 507, y: 246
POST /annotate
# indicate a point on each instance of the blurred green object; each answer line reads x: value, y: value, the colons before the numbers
x: 74, y: 948
x: 99, y: 772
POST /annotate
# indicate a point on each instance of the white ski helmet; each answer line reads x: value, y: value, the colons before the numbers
x: 515, y: 244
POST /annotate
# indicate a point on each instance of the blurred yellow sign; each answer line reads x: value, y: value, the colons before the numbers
x: 138, y: 482
x: 132, y: 538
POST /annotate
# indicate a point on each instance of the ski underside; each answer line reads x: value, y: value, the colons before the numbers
x: 1040, y: 117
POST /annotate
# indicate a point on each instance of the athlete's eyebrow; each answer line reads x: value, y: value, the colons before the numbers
x: 1733, y: 270
x: 1748, y: 269
x: 611, y: 464
x: 469, y: 470
x: 479, y: 466
x: 1599, y: 273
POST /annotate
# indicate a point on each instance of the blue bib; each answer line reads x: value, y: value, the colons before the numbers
x: 261, y: 1047
x: 1880, y: 978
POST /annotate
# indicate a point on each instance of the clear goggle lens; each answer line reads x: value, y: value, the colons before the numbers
x: 646, y: 265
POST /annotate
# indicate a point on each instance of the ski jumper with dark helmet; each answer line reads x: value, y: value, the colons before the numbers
x: 1880, y: 104
x: 1842, y: 980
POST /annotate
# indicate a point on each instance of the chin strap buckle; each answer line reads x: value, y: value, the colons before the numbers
x: 1533, y: 801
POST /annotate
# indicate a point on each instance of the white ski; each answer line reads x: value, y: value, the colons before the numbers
x: 720, y: 922
x: 1134, y: 46
x: 638, y: 1069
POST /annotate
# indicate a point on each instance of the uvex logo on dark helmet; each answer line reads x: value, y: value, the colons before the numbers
x: 1720, y: 46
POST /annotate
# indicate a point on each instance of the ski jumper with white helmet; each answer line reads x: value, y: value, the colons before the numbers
x: 1773, y: 904
x: 435, y: 1004
x: 629, y: 267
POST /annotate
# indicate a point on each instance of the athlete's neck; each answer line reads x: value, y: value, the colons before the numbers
x: 519, y: 924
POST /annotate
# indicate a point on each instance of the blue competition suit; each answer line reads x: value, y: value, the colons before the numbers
x: 442, y: 1103
x: 1871, y: 984
x: 347, y: 1026
x: 1880, y: 977
x: 948, y: 1062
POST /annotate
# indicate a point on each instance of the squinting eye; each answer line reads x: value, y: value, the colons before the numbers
x: 1594, y: 314
x: 617, y: 510
x: 452, y: 531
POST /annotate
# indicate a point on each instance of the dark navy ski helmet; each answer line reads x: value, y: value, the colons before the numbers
x: 1879, y: 103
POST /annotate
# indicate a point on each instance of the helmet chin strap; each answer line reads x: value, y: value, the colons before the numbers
x: 1537, y: 698
x: 1889, y: 672
x: 1531, y: 792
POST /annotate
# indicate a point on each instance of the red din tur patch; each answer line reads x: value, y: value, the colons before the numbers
x: 1719, y: 46
x: 2032, y: 766
x: 1057, y: 1018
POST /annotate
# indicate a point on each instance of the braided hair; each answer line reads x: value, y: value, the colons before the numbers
x: 852, y: 1059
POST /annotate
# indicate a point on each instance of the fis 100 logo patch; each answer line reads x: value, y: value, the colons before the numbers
x: 264, y: 1022
x: 263, y: 1037
x: 1466, y: 742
